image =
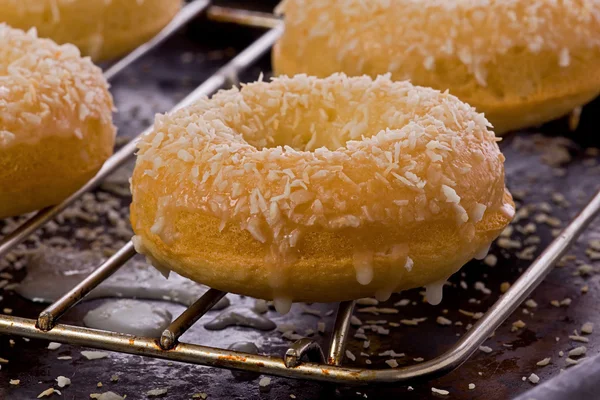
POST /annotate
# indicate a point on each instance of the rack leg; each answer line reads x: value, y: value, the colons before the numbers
x: 340, y: 333
x: 189, y: 317
x: 301, y: 348
x: 50, y: 315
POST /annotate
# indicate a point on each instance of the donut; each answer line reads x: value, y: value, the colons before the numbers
x: 520, y: 62
x: 102, y: 29
x: 56, y: 126
x: 316, y: 190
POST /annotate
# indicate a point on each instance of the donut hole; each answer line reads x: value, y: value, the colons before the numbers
x: 307, y: 121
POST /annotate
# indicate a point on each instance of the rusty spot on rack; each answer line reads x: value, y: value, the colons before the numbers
x: 156, y: 344
x: 233, y: 358
x: 324, y: 371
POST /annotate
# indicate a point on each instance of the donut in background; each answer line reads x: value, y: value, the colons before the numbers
x: 56, y: 126
x: 102, y: 29
x: 520, y: 62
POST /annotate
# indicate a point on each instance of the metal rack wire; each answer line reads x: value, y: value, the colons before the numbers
x: 304, y: 359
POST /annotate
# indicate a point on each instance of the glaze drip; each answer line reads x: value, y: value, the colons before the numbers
x: 434, y: 292
x: 383, y: 294
x: 283, y: 305
x: 482, y: 252
x: 363, y: 264
x: 508, y: 210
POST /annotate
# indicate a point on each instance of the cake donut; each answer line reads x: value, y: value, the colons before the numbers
x: 520, y: 62
x: 102, y: 29
x: 307, y: 189
x: 56, y: 126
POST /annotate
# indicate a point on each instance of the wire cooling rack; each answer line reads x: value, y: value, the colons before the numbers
x: 304, y: 359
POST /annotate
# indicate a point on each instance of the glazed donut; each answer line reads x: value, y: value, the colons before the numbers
x: 102, y: 29
x: 520, y: 62
x: 56, y: 126
x: 307, y: 189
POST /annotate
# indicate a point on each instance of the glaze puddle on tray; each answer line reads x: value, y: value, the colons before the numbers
x: 52, y: 273
x: 244, y: 347
x: 240, y: 316
x: 129, y: 316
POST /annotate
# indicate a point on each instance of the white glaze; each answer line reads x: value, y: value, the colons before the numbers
x: 51, y: 273
x: 260, y: 306
x: 364, y: 274
x: 482, y: 252
x: 244, y: 347
x: 363, y: 264
x: 508, y: 210
x: 434, y: 292
x: 240, y: 316
x: 283, y: 305
x: 383, y: 294
x: 129, y: 316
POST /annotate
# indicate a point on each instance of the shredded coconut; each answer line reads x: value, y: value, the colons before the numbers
x: 47, y: 89
x: 533, y: 378
x: 440, y: 391
x: 369, y: 169
x: 415, y: 34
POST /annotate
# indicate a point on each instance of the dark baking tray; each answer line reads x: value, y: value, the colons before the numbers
x: 540, y: 162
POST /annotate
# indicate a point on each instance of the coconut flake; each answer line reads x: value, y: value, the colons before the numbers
x: 63, y: 381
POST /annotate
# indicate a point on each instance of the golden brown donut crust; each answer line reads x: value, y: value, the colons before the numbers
x: 101, y: 29
x: 519, y: 62
x: 234, y: 261
x: 56, y: 126
x: 34, y: 177
x: 190, y: 215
